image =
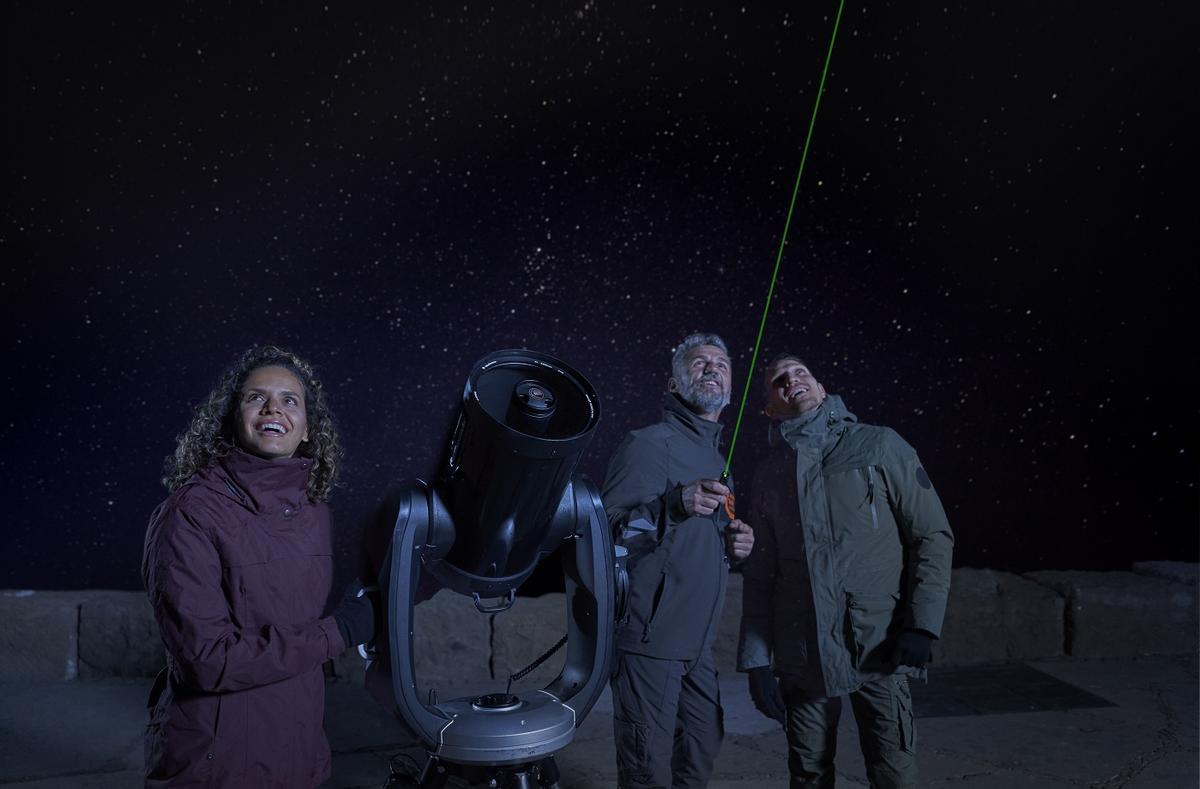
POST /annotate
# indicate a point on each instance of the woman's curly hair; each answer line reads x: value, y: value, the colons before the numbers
x: 211, y: 434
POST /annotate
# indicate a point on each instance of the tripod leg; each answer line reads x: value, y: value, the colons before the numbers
x: 547, y: 772
x: 434, y: 775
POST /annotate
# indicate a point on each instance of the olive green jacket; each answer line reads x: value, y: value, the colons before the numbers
x: 851, y: 547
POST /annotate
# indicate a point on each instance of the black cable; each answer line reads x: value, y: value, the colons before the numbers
x: 514, y: 677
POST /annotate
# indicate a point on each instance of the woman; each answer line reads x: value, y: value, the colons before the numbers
x: 238, y: 565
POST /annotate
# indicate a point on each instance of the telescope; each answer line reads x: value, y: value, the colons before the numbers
x: 506, y: 497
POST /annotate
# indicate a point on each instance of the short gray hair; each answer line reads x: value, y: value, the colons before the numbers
x: 694, y: 341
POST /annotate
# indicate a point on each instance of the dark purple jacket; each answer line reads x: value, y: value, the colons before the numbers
x: 238, y: 563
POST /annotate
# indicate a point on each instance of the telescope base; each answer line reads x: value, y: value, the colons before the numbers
x: 524, y: 730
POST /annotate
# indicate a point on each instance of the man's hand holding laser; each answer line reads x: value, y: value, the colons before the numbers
x: 703, y: 496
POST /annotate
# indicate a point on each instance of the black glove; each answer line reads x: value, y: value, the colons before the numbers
x: 912, y: 649
x: 764, y: 690
x: 355, y: 615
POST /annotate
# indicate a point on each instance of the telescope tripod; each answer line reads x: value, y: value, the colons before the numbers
x: 439, y: 774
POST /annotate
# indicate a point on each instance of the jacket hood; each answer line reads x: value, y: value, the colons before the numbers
x: 258, y: 483
x: 701, y: 430
x: 829, y: 417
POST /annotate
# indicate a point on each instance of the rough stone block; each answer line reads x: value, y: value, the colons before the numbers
x: 994, y: 616
x: 40, y: 637
x: 1034, y: 618
x: 451, y: 640
x: 118, y: 636
x: 1122, y: 614
x: 1180, y: 572
x: 451, y: 645
x: 972, y: 630
x: 523, y: 633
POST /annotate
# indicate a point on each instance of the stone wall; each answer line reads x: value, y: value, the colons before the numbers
x: 992, y: 616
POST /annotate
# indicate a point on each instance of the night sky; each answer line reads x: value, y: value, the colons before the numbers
x: 989, y: 252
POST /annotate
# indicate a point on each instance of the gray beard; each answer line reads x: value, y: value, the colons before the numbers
x: 701, y: 399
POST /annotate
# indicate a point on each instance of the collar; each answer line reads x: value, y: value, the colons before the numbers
x: 267, y: 484
x: 695, y: 427
x: 829, y: 417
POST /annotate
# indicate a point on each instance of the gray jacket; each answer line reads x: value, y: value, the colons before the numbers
x: 851, y: 546
x: 677, y: 565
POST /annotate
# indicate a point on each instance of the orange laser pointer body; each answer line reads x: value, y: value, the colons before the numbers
x: 724, y: 516
x: 727, y: 507
x: 729, y: 498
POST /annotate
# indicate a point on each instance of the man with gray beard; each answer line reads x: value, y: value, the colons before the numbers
x: 664, y: 500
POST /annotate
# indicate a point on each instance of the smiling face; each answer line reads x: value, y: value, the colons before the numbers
x: 703, y: 380
x: 791, y: 389
x: 271, y: 420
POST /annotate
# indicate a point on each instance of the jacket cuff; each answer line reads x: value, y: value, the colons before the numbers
x: 752, y: 653
x: 925, y: 623
x: 745, y: 669
x: 333, y: 637
x: 675, y: 510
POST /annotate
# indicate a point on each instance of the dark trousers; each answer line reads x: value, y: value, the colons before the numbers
x: 667, y: 721
x: 883, y: 710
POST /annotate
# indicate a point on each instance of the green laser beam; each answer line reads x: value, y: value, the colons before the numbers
x: 782, y: 241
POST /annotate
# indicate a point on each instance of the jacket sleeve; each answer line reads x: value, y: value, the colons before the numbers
x: 638, y: 496
x: 928, y: 541
x: 755, y: 641
x: 182, y: 572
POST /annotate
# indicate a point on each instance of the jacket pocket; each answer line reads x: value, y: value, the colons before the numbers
x: 656, y: 605
x: 245, y: 569
x: 869, y: 620
x: 647, y: 573
x: 904, y: 714
x: 308, y: 586
x: 633, y: 750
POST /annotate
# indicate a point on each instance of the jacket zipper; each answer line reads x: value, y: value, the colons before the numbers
x: 871, y: 498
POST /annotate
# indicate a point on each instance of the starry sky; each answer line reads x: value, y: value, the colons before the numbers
x: 987, y: 253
